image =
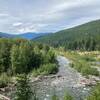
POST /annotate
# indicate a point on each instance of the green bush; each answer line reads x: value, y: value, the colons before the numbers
x: 4, y: 80
x: 85, y: 68
x: 48, y: 69
x: 23, y: 88
x: 67, y: 96
x: 19, y: 56
x: 55, y: 97
x: 88, y: 58
x: 94, y: 71
x: 95, y: 95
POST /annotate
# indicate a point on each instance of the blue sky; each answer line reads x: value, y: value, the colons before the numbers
x: 20, y: 16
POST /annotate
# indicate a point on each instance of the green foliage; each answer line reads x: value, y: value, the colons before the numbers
x: 68, y: 97
x: 5, y: 46
x: 85, y: 68
x: 4, y: 80
x: 48, y: 69
x: 45, y: 69
x: 23, y: 89
x: 34, y: 96
x: 15, y: 59
x: 19, y: 56
x: 55, y: 97
x: 95, y: 95
x: 82, y: 63
x: 83, y: 37
x: 88, y: 58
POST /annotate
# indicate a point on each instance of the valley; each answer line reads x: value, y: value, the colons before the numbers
x: 60, y: 66
x: 67, y: 79
x: 49, y: 49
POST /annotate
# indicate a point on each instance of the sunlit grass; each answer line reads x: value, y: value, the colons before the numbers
x: 82, y: 61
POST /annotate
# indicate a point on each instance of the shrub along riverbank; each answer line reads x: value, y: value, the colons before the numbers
x: 83, y: 61
x: 18, y: 56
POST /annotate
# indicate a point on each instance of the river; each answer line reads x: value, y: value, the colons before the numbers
x: 67, y: 79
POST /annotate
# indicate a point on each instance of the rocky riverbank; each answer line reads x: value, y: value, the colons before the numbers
x: 66, y: 79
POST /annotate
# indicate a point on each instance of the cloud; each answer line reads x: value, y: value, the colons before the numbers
x: 30, y: 28
x: 27, y: 29
x: 3, y: 15
x: 18, y: 16
x: 17, y: 24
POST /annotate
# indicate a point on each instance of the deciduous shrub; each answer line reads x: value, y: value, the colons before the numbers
x: 4, y: 80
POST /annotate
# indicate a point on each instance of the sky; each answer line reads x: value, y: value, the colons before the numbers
x: 41, y: 16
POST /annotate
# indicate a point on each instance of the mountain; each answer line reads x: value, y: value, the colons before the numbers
x: 84, y: 36
x: 5, y: 35
x: 28, y: 35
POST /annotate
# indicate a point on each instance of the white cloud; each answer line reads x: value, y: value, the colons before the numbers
x: 31, y: 28
x: 17, y: 24
x: 27, y: 29
x: 45, y: 15
x: 4, y: 15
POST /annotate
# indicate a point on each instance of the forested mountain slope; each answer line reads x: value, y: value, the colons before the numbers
x: 85, y: 37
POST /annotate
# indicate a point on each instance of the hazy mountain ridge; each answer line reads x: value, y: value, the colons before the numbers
x: 28, y: 35
x: 5, y: 35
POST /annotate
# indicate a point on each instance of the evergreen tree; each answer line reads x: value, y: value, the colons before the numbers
x: 5, y: 46
x: 23, y: 90
x: 16, y: 68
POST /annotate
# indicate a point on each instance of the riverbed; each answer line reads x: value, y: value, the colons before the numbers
x: 66, y: 80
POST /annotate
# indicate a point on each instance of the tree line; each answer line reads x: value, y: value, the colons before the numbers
x: 82, y: 37
x: 19, y: 56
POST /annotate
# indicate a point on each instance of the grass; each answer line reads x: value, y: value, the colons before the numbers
x: 82, y: 61
x: 95, y: 93
x: 45, y: 69
x: 84, y: 68
x: 4, y: 80
x: 66, y: 96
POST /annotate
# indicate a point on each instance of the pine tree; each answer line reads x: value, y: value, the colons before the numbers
x: 16, y: 68
x: 4, y: 55
x: 23, y: 89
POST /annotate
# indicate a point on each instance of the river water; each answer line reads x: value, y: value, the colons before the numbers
x: 66, y: 81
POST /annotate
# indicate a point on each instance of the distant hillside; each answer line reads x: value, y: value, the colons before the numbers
x: 28, y: 35
x: 86, y: 36
x: 5, y: 35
